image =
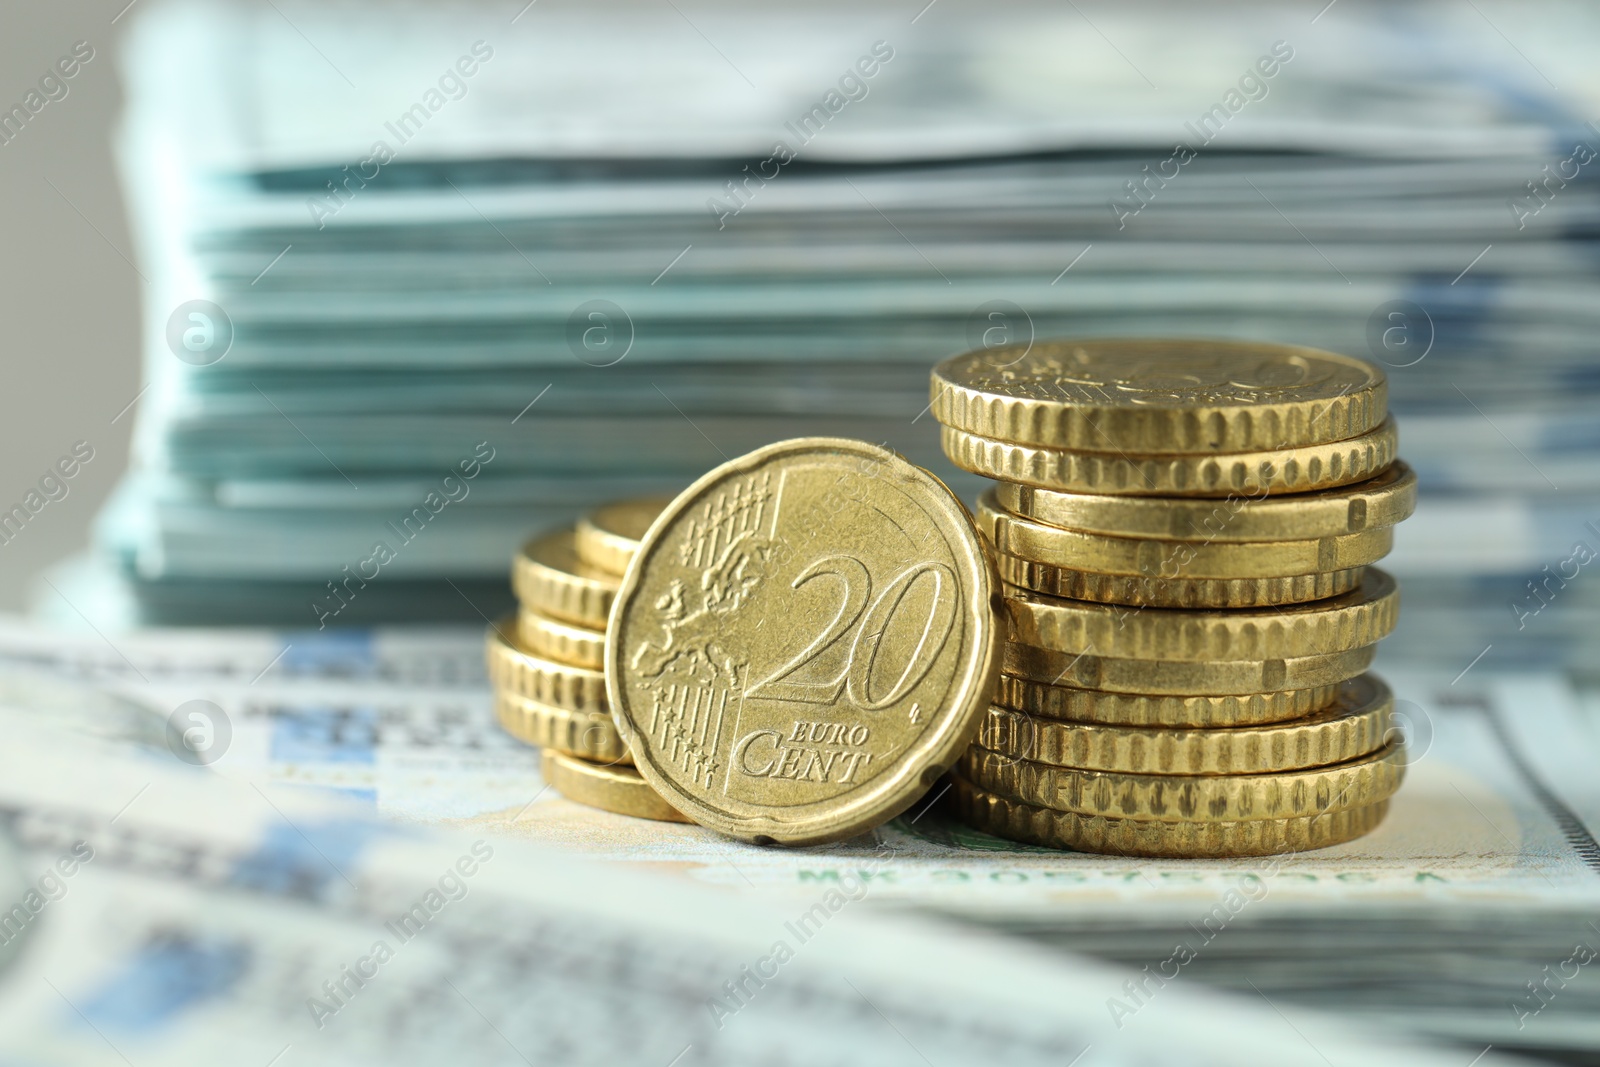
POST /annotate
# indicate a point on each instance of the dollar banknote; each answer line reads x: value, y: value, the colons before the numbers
x: 1457, y: 918
x: 176, y: 909
x: 189, y: 918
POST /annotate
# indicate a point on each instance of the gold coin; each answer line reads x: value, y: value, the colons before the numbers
x: 542, y: 680
x: 618, y: 789
x: 1309, y: 468
x: 806, y: 641
x: 549, y: 577
x: 563, y: 642
x: 1367, y: 505
x: 1356, y: 723
x: 1360, y: 617
x: 1139, y: 709
x: 1139, y: 591
x: 1192, y: 797
x: 1159, y: 396
x: 608, y: 536
x: 1161, y: 677
x: 1103, y: 554
x: 1007, y: 818
x: 588, y: 734
x: 1024, y: 538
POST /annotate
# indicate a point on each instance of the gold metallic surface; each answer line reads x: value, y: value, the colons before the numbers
x: 1365, y: 505
x: 1304, y: 469
x: 806, y: 641
x: 1140, y: 591
x: 1149, y: 558
x: 544, y: 681
x: 1176, y: 678
x: 563, y: 642
x: 1360, y: 617
x: 548, y: 576
x: 1358, y: 722
x: 1143, y: 837
x: 1136, y: 709
x: 1191, y: 798
x: 608, y: 536
x: 587, y: 734
x: 617, y: 789
x: 1159, y: 396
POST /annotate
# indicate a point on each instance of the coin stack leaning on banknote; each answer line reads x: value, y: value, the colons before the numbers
x: 1185, y: 532
x: 548, y: 664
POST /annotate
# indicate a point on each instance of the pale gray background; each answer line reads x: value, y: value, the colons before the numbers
x: 69, y: 300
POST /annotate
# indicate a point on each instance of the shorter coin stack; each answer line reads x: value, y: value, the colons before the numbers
x: 548, y: 665
x: 1185, y: 531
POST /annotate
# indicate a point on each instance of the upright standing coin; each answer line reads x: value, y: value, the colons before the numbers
x: 608, y: 536
x: 1160, y: 396
x: 807, y: 640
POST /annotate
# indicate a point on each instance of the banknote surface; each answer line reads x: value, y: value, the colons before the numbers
x: 1485, y: 873
x: 176, y: 914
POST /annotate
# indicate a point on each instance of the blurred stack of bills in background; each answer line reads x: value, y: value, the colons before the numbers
x: 422, y: 280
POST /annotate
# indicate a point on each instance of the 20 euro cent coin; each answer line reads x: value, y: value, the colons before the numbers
x: 807, y: 640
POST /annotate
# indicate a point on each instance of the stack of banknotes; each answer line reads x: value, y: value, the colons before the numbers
x: 1184, y: 532
x: 238, y: 888
x: 587, y: 254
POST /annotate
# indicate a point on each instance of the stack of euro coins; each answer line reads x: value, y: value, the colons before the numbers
x: 1185, y: 532
x: 547, y: 665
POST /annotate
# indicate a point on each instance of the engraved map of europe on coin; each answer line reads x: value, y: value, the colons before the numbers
x: 807, y: 640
